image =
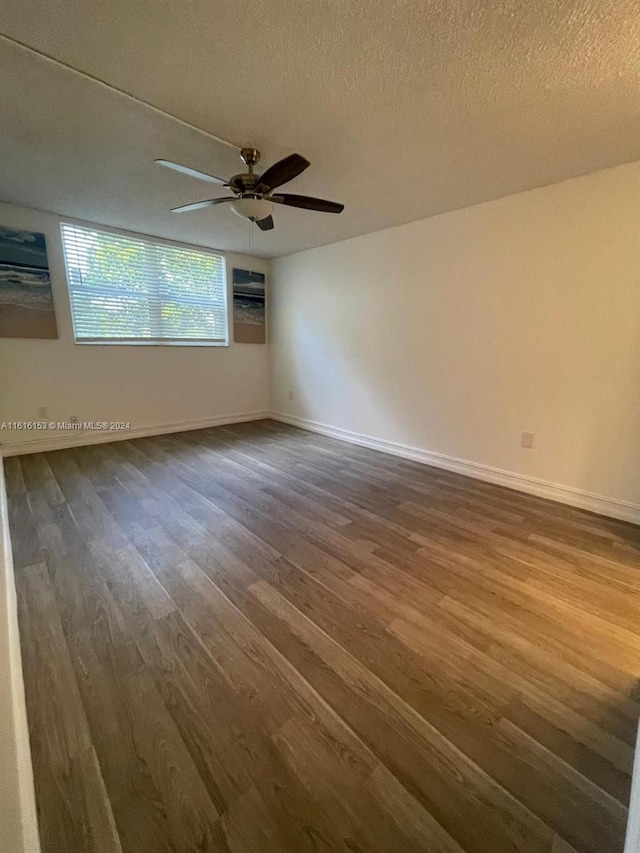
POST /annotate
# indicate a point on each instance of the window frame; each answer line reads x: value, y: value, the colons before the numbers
x: 150, y: 239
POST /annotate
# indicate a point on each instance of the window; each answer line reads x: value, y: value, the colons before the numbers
x: 130, y: 289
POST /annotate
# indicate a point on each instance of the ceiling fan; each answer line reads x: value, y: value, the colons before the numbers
x: 252, y: 194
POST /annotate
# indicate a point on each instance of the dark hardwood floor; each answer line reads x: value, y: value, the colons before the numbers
x: 256, y: 639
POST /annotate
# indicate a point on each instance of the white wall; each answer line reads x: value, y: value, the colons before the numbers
x: 455, y: 333
x: 151, y: 386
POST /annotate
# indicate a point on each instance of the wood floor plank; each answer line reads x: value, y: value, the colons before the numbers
x: 234, y: 752
x: 74, y: 810
x: 57, y: 719
x: 24, y: 539
x: 14, y: 481
x: 158, y: 798
x: 536, y: 664
x: 250, y: 638
x: 389, y: 725
x: 39, y: 477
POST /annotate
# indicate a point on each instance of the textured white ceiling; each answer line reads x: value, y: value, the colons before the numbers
x: 406, y: 108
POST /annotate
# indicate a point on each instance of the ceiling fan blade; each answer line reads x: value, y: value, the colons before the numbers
x: 193, y: 173
x: 265, y: 224
x: 307, y: 202
x: 198, y: 205
x: 282, y: 172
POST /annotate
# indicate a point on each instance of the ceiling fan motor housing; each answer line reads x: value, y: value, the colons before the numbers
x: 244, y: 182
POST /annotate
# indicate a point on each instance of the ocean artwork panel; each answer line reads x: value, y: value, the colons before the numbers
x: 26, y: 301
x: 248, y: 307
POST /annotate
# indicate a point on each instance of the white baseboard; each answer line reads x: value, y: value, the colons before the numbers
x: 17, y: 794
x: 599, y: 504
x: 41, y: 442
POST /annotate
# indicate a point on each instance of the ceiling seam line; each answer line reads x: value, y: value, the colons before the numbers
x: 87, y: 76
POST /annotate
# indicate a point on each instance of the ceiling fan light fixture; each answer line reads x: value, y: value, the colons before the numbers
x: 252, y: 208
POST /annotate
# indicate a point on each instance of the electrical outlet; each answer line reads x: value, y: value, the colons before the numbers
x: 74, y: 420
x: 526, y: 440
x: 43, y: 413
x: 291, y: 395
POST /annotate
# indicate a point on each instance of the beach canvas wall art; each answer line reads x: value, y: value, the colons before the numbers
x: 248, y: 307
x: 26, y: 303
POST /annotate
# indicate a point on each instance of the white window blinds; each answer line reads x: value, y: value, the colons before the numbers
x: 132, y: 289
